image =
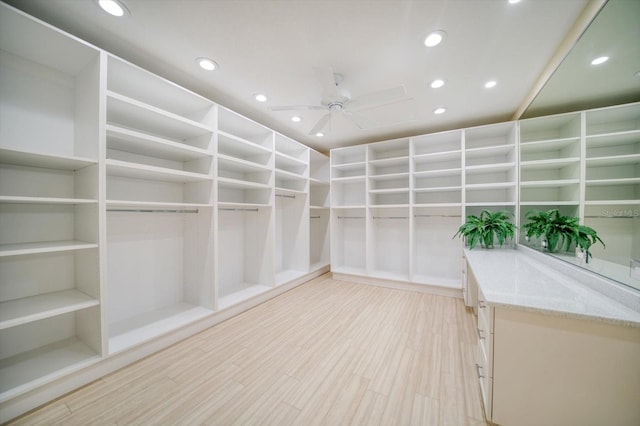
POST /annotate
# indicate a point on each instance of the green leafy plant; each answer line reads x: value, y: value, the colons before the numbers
x: 560, y: 231
x: 486, y: 228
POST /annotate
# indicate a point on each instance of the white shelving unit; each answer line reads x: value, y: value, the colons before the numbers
x: 291, y: 210
x: 50, y: 296
x: 133, y: 213
x: 245, y: 255
x: 159, y: 191
x: 612, y: 180
x: 319, y: 214
x: 491, y: 167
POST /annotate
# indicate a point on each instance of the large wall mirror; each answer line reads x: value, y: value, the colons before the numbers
x: 607, y: 199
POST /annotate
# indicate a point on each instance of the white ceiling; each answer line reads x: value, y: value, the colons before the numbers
x: 272, y: 47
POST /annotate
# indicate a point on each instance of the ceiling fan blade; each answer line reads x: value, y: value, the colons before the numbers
x: 358, y: 119
x: 328, y: 83
x: 297, y: 108
x: 321, y: 125
x: 382, y: 96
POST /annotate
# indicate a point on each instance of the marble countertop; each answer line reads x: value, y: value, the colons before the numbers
x: 513, y: 279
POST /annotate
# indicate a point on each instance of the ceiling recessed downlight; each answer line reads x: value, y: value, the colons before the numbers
x: 435, y: 84
x: 260, y: 97
x: 439, y: 110
x: 113, y: 7
x: 600, y: 60
x: 434, y: 38
x: 514, y: 1
x: 490, y: 84
x: 296, y: 119
x: 207, y: 64
x: 319, y: 134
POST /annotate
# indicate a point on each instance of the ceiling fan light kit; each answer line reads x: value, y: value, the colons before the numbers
x: 336, y: 100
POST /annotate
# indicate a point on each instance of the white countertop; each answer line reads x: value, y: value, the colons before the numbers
x: 513, y: 279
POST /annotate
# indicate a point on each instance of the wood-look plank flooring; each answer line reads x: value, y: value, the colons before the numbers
x: 326, y: 353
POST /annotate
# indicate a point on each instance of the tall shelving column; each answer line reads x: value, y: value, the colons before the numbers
x: 159, y: 198
x: 550, y: 164
x: 245, y: 192
x: 491, y: 173
x: 291, y: 209
x: 388, y: 202
x: 319, y: 211
x: 349, y: 210
x: 437, y: 208
x: 612, y: 180
x: 50, y: 289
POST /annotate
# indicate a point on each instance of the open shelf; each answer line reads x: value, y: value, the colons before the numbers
x: 143, y: 171
x: 34, y: 159
x: 124, y: 111
x: 128, y: 140
x: 246, y: 292
x: 148, y: 325
x: 28, y: 309
x: 43, y: 247
x: 30, y: 369
x: 44, y: 200
x: 154, y: 205
x: 142, y: 85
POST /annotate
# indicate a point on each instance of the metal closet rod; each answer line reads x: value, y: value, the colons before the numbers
x: 390, y: 217
x: 285, y: 196
x: 350, y: 217
x: 314, y: 217
x: 152, y: 211
x: 238, y: 210
x: 611, y: 217
x: 437, y: 215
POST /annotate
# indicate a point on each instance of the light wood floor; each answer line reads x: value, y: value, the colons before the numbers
x: 328, y: 353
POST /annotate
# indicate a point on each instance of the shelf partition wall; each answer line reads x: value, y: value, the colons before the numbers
x: 395, y: 205
x: 133, y: 213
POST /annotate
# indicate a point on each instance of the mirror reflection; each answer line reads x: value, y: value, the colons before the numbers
x: 587, y: 166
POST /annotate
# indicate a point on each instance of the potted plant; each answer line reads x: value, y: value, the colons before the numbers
x: 486, y: 228
x: 558, y: 231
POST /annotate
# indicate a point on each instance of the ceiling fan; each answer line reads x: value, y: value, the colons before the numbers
x: 336, y: 101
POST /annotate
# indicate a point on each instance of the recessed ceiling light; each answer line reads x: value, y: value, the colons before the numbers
x: 514, y: 1
x: 260, y: 97
x: 434, y: 38
x: 296, y: 119
x: 439, y: 110
x: 113, y: 7
x: 319, y: 134
x: 490, y: 84
x: 600, y: 60
x: 207, y: 64
x: 436, y: 83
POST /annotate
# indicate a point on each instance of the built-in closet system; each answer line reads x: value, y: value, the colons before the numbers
x: 133, y: 213
x: 397, y: 204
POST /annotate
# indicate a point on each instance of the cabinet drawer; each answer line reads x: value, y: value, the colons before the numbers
x: 484, y: 357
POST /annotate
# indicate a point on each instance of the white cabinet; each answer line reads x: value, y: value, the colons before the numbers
x: 319, y: 203
x: 491, y: 166
x: 291, y: 210
x: 613, y: 156
x: 50, y: 292
x: 550, y: 153
x: 159, y: 198
x: 133, y: 213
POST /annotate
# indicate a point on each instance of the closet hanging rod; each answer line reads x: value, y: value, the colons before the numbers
x: 314, y: 217
x: 390, y: 217
x: 152, y: 211
x: 285, y: 196
x: 350, y: 217
x: 437, y: 215
x: 238, y: 210
x: 611, y: 217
